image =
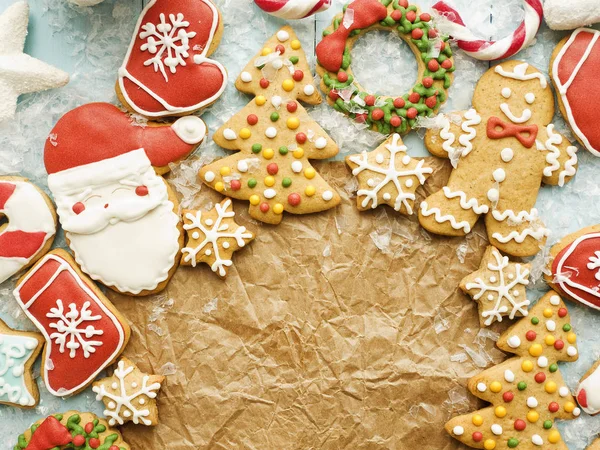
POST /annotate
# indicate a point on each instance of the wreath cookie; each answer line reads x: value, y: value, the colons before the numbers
x: 385, y: 114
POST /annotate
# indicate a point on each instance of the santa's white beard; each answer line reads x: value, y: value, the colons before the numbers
x: 131, y: 256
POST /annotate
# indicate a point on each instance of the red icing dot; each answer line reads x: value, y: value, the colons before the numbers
x: 508, y: 396
x: 442, y: 45
x: 272, y: 169
x: 377, y: 114
x: 94, y: 442
x: 553, y: 407
x: 403, y: 3
x: 412, y: 113
x: 540, y: 377
x: 298, y: 75
x: 477, y: 436
x: 142, y: 191
x: 235, y: 185
x: 78, y: 440
x: 301, y: 138
x: 361, y: 118
x: 428, y: 82
x: 531, y: 335
x: 396, y: 15
x: 342, y: 77
x: 447, y: 64
x: 425, y: 17
x: 562, y: 312
x: 399, y: 103
x: 411, y: 16
x: 294, y: 199
x: 333, y: 95
x: 264, y: 83
x: 113, y: 447
x: 520, y: 425
x: 433, y: 65
x: 431, y: 102
x: 89, y: 427
x: 264, y: 207
x: 559, y: 345
x: 252, y: 119
x: 292, y: 107
x: 432, y: 33
x: 417, y: 33
x: 280, y: 48
x: 395, y: 121
x: 414, y: 98
x: 370, y: 100
x: 78, y: 208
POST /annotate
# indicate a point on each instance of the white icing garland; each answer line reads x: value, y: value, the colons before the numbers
x: 519, y: 237
x: 439, y: 218
x: 570, y: 170
x: 515, y: 219
x: 465, y: 203
x: 472, y: 118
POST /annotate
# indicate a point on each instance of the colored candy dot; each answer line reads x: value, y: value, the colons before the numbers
x: 219, y: 187
x: 425, y: 17
x: 535, y: 320
x: 527, y: 366
x: 554, y: 437
x: 547, y: 424
x: 569, y: 407
x: 489, y: 444
x: 310, y: 190
x: 571, y: 338
x: 94, y: 442
x: 553, y: 368
x: 508, y: 396
x: 266, y: 51
x: 301, y: 138
x: 252, y: 183
x: 245, y: 133
x: 512, y: 443
x: 395, y: 121
x: 309, y: 173
x: 268, y: 153
x: 433, y: 65
x: 293, y: 123
x: 264, y: 83
x: 260, y: 100
x: 551, y: 387
x: 114, y: 447
x: 286, y: 182
x: 549, y: 340
x: 280, y: 48
x: 566, y: 327
x: 495, y: 387
x: 295, y: 44
x: 294, y: 59
x: 264, y: 207
x: 225, y: 171
x: 396, y: 15
x: 531, y: 335
x: 477, y: 436
x: 431, y: 102
x: 333, y: 95
x: 447, y: 64
x: 520, y: 425
x: 89, y: 427
x: 414, y: 97
x: 500, y: 411
x: 553, y: 407
x: 399, y: 103
x: 548, y: 313
x: 411, y: 16
x: 562, y: 312
x: 256, y: 148
x: 342, y: 76
x: 294, y: 199
x: 427, y: 82
x: 403, y: 3
x: 252, y: 119
x: 283, y: 151
x: 377, y: 114
x: 417, y: 33
x: 274, y: 117
x: 536, y: 350
x: 540, y: 377
x: 269, y: 181
x: 292, y: 107
x: 477, y: 420
x: 559, y: 345
x: 432, y: 33
x: 412, y: 113
x: 298, y: 153
x: 235, y: 185
x: 272, y: 169
x: 278, y: 208
x: 298, y: 75
x: 254, y: 200
x: 521, y: 386
x: 370, y: 100
x: 288, y: 85
x: 533, y: 416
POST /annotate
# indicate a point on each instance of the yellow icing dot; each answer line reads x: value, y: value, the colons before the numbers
x: 569, y: 407
x: 254, y: 200
x: 551, y: 387
x: 288, y: 85
x: 219, y: 187
x: 554, y: 437
x: 533, y: 416
x: 298, y: 153
x: 548, y: 313
x: 266, y: 51
x: 549, y: 340
x: 489, y: 444
x: 572, y: 338
x: 268, y: 153
x: 295, y: 44
x: 260, y: 100
x: 310, y: 173
x: 500, y: 411
x: 245, y: 133
x: 527, y: 366
x: 536, y: 350
x: 495, y: 387
x: 225, y: 171
x: 310, y: 190
x: 293, y: 123
x: 269, y: 181
x: 477, y: 420
x: 278, y: 208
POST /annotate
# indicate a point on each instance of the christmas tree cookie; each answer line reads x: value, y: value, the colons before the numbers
x: 275, y: 137
x: 527, y: 392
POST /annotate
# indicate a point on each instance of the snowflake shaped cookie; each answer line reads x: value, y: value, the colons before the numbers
x: 129, y: 395
x: 74, y: 329
x: 387, y: 175
x: 213, y: 236
x: 499, y: 287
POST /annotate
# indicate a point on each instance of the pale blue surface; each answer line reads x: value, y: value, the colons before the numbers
x: 90, y: 43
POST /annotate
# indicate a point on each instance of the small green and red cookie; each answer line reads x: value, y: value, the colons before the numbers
x: 384, y: 113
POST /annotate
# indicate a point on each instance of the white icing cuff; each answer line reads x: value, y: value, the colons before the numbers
x: 190, y: 129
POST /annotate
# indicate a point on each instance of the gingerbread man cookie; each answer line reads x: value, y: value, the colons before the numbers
x: 502, y: 150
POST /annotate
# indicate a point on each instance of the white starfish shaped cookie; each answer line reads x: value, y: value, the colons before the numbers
x: 19, y: 72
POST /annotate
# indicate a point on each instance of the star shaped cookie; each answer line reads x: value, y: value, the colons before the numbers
x: 387, y: 175
x: 129, y: 395
x: 18, y: 352
x: 213, y: 237
x: 498, y: 287
x: 19, y: 72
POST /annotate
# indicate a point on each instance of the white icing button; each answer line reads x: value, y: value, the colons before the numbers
x: 114, y: 385
x: 530, y: 98
x: 387, y: 197
x: 458, y: 430
x: 246, y: 77
x: 481, y: 387
x: 571, y: 351
x: 491, y: 297
x: 195, y: 235
x: 506, y: 92
x: 532, y: 402
x: 271, y: 132
x: 537, y: 439
x: 555, y: 300
x: 493, y: 195
x: 563, y: 391
x: 507, y: 154
x: 269, y: 193
x: 371, y: 182
x: 242, y: 166
x: 283, y: 35
x: 409, y: 183
x: 405, y: 160
x: 297, y: 167
x: 209, y: 222
x: 509, y: 376
x: 209, y: 176
x: 551, y: 325
x: 309, y: 89
x: 208, y: 252
x: 379, y: 158
x: 576, y: 412
x: 229, y: 134
x: 496, y: 429
x: 493, y: 279
x: 514, y: 341
x: 276, y: 101
x: 321, y: 143
x: 327, y: 196
x: 499, y: 175
x: 542, y: 361
x: 226, y: 245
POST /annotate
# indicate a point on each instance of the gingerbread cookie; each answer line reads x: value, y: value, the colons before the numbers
x: 18, y: 352
x: 72, y: 430
x: 387, y: 175
x: 84, y: 332
x: 30, y: 227
x: 594, y: 445
x: 498, y: 287
x: 397, y: 114
x: 588, y: 391
x: 575, y: 266
x: 573, y: 69
x: 166, y: 71
x: 213, y: 237
x: 121, y: 218
x: 502, y: 150
x: 527, y: 392
x: 276, y: 138
x: 129, y: 395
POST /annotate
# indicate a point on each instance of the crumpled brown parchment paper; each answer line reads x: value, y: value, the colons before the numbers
x: 332, y: 331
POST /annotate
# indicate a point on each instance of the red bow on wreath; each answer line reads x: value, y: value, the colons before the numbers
x: 50, y: 434
x: 498, y: 129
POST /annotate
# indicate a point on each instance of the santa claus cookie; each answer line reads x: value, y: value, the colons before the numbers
x: 166, y: 71
x: 120, y: 217
x: 502, y: 150
x: 574, y: 67
x: 574, y: 267
x: 72, y: 430
x: 588, y: 391
x: 84, y: 332
x: 27, y: 225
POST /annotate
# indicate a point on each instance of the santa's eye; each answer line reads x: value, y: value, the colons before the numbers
x: 78, y: 208
x: 141, y: 191
x: 506, y: 92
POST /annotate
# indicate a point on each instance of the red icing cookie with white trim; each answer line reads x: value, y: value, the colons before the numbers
x: 166, y: 71
x: 574, y: 71
x: 84, y: 332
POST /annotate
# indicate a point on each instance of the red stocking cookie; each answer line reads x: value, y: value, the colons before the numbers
x: 83, y: 330
x: 166, y: 71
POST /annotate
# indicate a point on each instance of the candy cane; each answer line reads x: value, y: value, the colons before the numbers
x: 450, y: 22
x: 293, y: 9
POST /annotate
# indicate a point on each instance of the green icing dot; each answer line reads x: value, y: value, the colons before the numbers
x: 512, y: 443
x: 294, y: 59
x: 256, y: 148
x: 274, y: 117
x: 547, y: 424
x: 553, y: 368
x: 286, y: 182
x: 283, y: 151
x: 535, y: 320
x: 251, y: 183
x: 522, y: 386
x: 566, y: 327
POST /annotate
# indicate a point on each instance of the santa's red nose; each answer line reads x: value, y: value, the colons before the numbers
x: 582, y: 398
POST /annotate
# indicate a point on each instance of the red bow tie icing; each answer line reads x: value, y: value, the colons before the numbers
x: 50, y: 434
x: 364, y: 13
x: 166, y: 70
x: 82, y: 334
x: 498, y: 129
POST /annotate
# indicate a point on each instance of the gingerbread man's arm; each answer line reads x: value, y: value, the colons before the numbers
x: 561, y: 157
x: 453, y: 139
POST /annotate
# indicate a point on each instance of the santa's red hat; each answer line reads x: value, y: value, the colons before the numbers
x: 98, y: 132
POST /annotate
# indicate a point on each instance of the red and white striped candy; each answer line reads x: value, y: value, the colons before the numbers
x: 490, y: 50
x: 293, y: 9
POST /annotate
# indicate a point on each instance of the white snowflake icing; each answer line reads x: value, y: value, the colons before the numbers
x: 68, y: 334
x: 170, y: 38
x: 595, y: 264
x: 124, y: 400
x: 213, y: 231
x: 502, y: 287
x: 15, y: 352
x: 391, y: 175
